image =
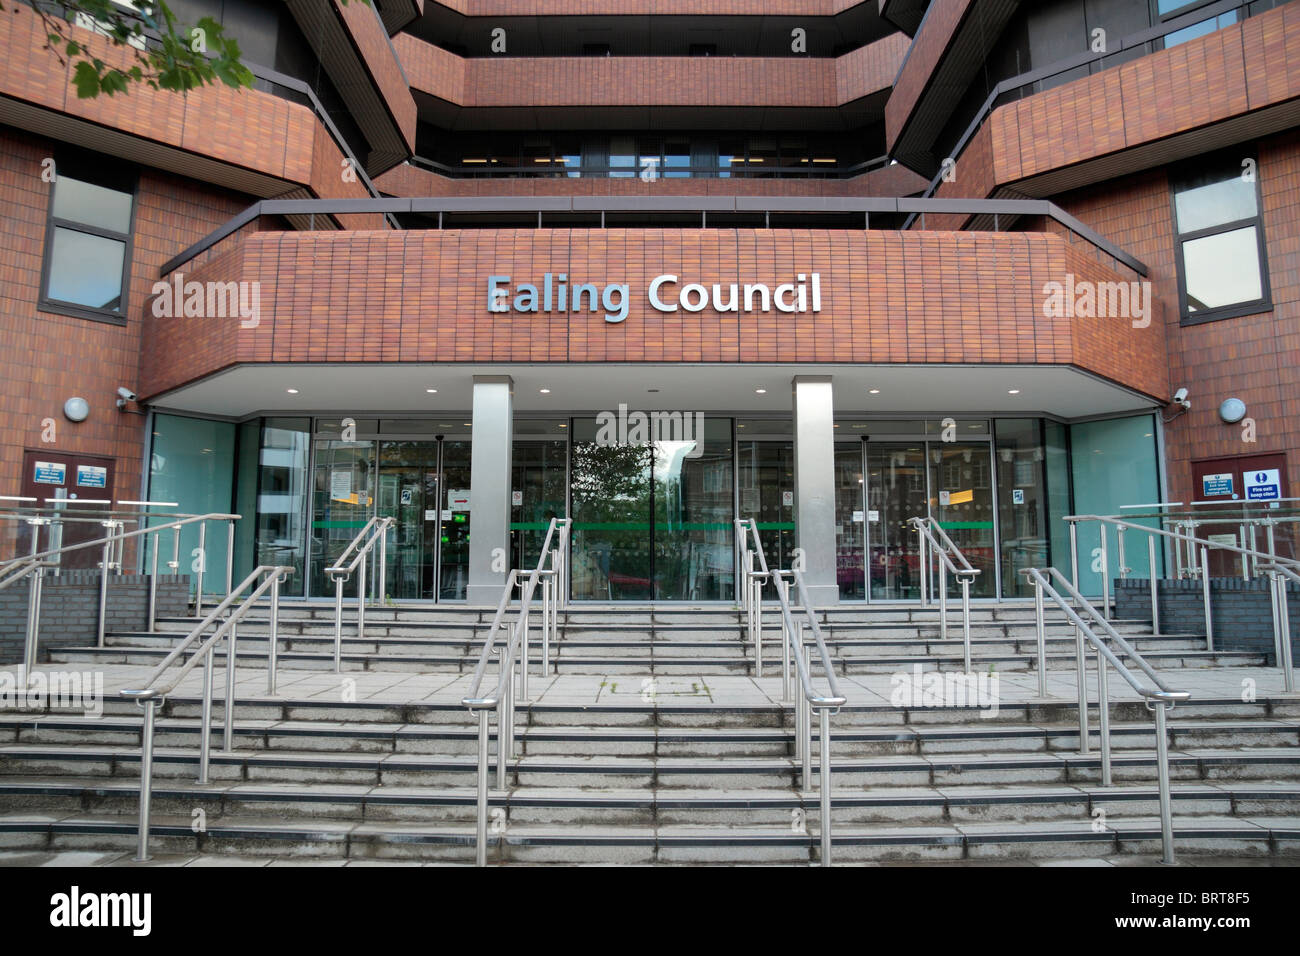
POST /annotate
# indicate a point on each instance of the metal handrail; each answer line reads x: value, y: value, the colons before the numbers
x: 792, y: 640
x: 1160, y: 698
x: 149, y: 695
x: 928, y: 542
x: 113, y: 544
x: 502, y: 697
x: 1179, y: 537
x: 363, y: 543
x: 1278, y: 575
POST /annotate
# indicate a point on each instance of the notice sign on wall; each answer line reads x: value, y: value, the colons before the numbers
x: 1213, y: 486
x: 92, y: 476
x: 50, y: 473
x: 458, y: 500
x: 1263, y: 485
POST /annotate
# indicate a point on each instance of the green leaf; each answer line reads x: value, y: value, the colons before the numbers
x: 86, y: 79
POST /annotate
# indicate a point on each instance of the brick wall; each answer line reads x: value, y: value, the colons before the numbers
x: 1240, y: 610
x: 70, y: 609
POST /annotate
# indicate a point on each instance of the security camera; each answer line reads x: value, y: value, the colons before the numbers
x: 126, y: 394
x: 1180, y: 398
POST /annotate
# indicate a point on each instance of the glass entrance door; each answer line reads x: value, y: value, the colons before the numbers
x: 896, y: 491
x: 951, y: 482
x: 961, y: 500
x: 408, y: 492
x: 652, y: 521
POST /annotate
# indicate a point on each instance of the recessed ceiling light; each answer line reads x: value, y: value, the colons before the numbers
x: 468, y: 424
x: 545, y: 391
x: 292, y: 391
x: 432, y: 391
x: 1013, y: 391
x: 874, y: 391
x: 563, y: 425
x: 760, y: 391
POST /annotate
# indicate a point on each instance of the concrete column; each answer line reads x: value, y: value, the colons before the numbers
x: 489, y: 487
x: 814, y: 485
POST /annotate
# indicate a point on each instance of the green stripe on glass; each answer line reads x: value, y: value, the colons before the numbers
x: 966, y: 525
x: 339, y: 524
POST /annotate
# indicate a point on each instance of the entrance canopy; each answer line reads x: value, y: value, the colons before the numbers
x: 1057, y: 390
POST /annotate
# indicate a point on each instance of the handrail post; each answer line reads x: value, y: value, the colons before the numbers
x: 106, y: 561
x: 825, y: 783
x: 524, y: 614
x: 1103, y: 717
x: 1155, y: 588
x: 503, y: 718
x: 923, y: 564
x: 1081, y: 660
x: 381, y: 579
x: 1253, y: 561
x: 547, y: 589
x: 807, y: 718
x: 228, y: 726
x: 1162, y: 772
x: 275, y: 632
x: 31, y: 646
x: 1284, y: 629
x: 361, y: 597
x: 1105, y: 572
x: 203, y: 563
x: 338, y: 624
x: 230, y: 556
x: 1205, y: 598
x: 965, y: 618
x: 205, y: 724
x: 756, y: 624
x: 146, y: 779
x: 153, y: 585
x: 785, y: 643
x: 1041, y: 631
x: 943, y: 598
x: 480, y: 845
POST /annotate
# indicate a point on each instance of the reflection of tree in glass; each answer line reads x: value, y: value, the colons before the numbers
x: 612, y: 492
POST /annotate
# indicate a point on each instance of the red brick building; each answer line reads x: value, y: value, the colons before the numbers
x: 901, y: 259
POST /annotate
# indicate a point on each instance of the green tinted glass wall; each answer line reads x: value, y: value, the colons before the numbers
x: 193, y: 464
x: 1114, y: 463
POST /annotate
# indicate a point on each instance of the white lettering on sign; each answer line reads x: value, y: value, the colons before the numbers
x: 666, y: 293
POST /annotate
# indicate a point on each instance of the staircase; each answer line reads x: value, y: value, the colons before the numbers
x: 651, y: 741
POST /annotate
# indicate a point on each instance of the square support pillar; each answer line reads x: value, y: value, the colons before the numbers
x: 814, y: 486
x: 492, y: 440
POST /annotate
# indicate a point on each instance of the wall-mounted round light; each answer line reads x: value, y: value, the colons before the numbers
x: 1232, y: 410
x: 76, y: 409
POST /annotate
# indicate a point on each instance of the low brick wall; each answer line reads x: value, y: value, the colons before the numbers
x: 1241, y: 610
x: 70, y: 608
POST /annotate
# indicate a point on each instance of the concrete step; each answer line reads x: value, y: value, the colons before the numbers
x: 671, y: 663
x: 1259, y: 837
x: 553, y: 739
x: 567, y: 770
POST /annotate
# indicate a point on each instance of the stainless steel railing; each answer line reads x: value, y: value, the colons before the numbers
x: 153, y: 691
x: 932, y: 539
x: 792, y: 644
x: 1159, y: 697
x: 552, y: 571
x: 35, y: 565
x: 374, y: 532
x: 1279, y: 575
x: 1181, y: 539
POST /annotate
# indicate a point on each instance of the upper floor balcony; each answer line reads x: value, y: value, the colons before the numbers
x: 1080, y: 84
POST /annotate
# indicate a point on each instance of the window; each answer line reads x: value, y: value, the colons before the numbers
x: 88, y: 239
x: 1222, y: 271
x: 1166, y: 10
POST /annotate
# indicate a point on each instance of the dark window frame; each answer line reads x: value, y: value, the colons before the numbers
x: 1179, y: 175
x: 112, y: 175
